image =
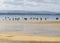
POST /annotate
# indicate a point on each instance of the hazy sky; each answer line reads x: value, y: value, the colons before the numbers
x: 32, y: 5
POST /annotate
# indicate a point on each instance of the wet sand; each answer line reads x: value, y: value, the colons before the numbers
x: 30, y: 32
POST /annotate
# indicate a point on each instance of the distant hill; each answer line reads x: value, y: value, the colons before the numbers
x: 26, y: 12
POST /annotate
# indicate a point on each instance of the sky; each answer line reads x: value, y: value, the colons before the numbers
x: 31, y: 5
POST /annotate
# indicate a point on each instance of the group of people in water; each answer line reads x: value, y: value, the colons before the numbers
x: 27, y: 18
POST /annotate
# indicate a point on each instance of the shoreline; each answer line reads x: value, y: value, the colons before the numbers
x: 30, y: 22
